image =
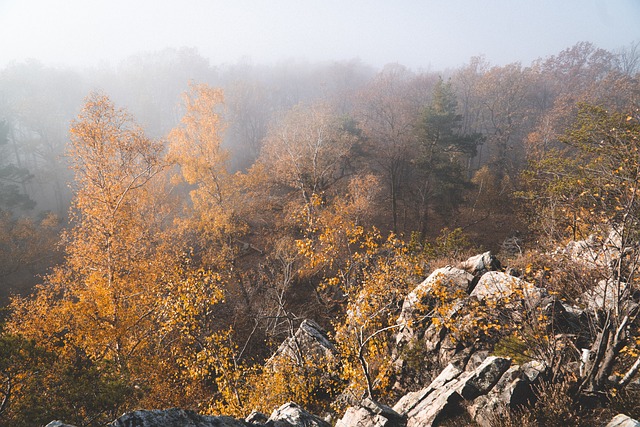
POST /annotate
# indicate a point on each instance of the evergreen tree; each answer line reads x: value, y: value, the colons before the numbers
x: 12, y: 177
x: 444, y: 152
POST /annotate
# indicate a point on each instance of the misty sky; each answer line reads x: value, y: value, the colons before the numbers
x: 425, y: 34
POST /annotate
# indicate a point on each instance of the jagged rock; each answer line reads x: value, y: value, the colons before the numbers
x: 598, y: 253
x: 288, y: 415
x: 292, y: 415
x: 426, y: 407
x: 309, y: 342
x: 423, y: 407
x: 429, y: 410
x: 434, y: 343
x: 589, y: 252
x: 256, y: 417
x: 622, y: 420
x: 484, y: 377
x: 418, y: 333
x: 476, y: 359
x: 453, y: 279
x: 371, y: 414
x: 410, y: 400
x: 566, y: 319
x: 499, y: 285
x: 429, y: 349
x: 480, y: 264
x: 174, y: 418
x: 604, y: 296
x: 534, y: 370
x: 512, y: 390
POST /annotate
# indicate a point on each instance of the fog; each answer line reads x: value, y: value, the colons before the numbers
x: 267, y: 57
x: 422, y: 35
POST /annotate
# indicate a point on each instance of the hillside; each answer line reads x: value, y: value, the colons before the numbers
x: 410, y: 245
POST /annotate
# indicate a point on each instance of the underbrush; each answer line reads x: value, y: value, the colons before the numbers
x: 557, y: 273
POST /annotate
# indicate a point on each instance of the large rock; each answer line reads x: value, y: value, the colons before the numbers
x: 622, y: 420
x: 424, y: 407
x: 590, y: 252
x: 288, y: 415
x: 410, y: 401
x: 597, y: 253
x: 310, y: 342
x: 497, y: 285
x: 174, y: 418
x: 292, y: 415
x: 512, y: 390
x: 606, y: 295
x: 256, y: 417
x: 454, y: 280
x: 428, y: 406
x: 433, y: 408
x: 484, y: 377
x: 480, y: 264
x: 371, y: 414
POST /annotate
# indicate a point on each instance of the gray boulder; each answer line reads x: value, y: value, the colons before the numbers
x: 604, y: 296
x: 371, y: 414
x: 410, y: 401
x: 480, y: 264
x: 288, y: 415
x: 292, y: 415
x: 622, y: 420
x: 309, y: 342
x: 512, y: 390
x: 174, y: 418
x: 428, y: 406
x: 589, y: 252
x: 256, y: 417
x: 498, y: 285
x: 484, y: 377
x: 58, y: 424
x: 453, y: 279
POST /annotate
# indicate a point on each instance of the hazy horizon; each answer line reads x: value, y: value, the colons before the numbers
x: 422, y: 35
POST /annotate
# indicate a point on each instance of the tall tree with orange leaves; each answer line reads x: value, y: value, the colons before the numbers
x: 131, y: 301
x: 98, y: 307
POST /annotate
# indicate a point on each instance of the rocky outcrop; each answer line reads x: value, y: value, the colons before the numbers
x: 473, y: 382
x: 292, y: 415
x: 454, y: 280
x: 498, y: 285
x: 288, y: 415
x: 454, y: 290
x: 174, y: 418
x: 310, y: 342
x: 622, y: 420
x: 480, y: 264
x: 371, y: 414
x: 512, y: 390
x: 607, y: 294
x: 417, y: 330
x: 484, y: 377
x: 489, y: 385
x: 427, y: 406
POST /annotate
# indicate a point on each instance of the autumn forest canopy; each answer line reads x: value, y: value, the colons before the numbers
x: 166, y: 224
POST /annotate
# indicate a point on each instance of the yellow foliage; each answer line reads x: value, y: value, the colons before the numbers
x: 131, y: 295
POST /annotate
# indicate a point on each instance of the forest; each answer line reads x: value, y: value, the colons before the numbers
x: 166, y: 224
